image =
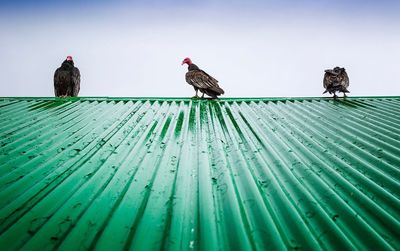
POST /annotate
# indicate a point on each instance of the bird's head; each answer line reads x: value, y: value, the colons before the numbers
x: 69, y: 58
x: 187, y: 61
x: 338, y: 69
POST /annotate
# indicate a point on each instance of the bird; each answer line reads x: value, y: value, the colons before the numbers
x: 201, y: 81
x: 336, y: 80
x: 67, y: 79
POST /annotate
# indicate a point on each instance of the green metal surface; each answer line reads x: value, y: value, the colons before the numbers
x: 181, y: 174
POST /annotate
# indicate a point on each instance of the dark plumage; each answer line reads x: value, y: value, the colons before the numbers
x: 67, y: 79
x: 200, y: 80
x: 336, y: 80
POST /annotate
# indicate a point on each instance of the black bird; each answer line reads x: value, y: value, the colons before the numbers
x: 200, y: 80
x: 336, y: 80
x: 67, y: 79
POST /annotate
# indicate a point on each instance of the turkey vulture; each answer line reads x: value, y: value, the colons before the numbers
x: 200, y: 80
x: 67, y: 79
x: 336, y: 80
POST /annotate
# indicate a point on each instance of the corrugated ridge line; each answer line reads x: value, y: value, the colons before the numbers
x: 50, y: 122
x: 391, y: 106
x: 24, y: 121
x: 370, y: 112
x: 8, y: 123
x: 283, y: 176
x: 124, y: 190
x: 226, y: 188
x: 175, y: 167
x: 46, y: 162
x: 154, y: 216
x: 227, y: 117
x: 178, y: 132
x: 4, y: 103
x: 162, y: 99
x: 345, y: 140
x: 389, y: 122
x: 250, y: 200
x: 31, y: 190
x: 25, y: 133
x: 208, y: 217
x: 184, y: 229
x: 85, y: 233
x: 368, y: 155
x: 389, y: 220
x: 44, y: 167
x: 284, y: 169
x: 395, y: 152
x: 295, y: 243
x: 13, y: 108
x: 395, y: 103
x: 350, y: 133
x: 365, y: 139
x: 336, y: 210
x: 388, y: 198
x: 63, y: 175
x: 214, y: 156
x: 34, y: 149
x: 321, y: 134
x: 245, y: 144
x: 78, y: 201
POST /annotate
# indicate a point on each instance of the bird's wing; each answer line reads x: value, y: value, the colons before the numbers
x: 332, y: 72
x: 56, y: 81
x: 202, y: 80
x: 189, y: 78
x: 61, y: 79
x: 326, y: 80
x: 76, y: 80
x: 345, y: 80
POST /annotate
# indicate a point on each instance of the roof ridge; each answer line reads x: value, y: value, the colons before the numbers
x: 188, y: 99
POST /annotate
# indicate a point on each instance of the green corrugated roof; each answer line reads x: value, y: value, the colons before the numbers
x: 181, y: 174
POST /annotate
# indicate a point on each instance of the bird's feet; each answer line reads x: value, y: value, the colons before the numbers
x: 195, y: 97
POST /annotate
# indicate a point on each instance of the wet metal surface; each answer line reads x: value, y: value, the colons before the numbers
x: 181, y: 174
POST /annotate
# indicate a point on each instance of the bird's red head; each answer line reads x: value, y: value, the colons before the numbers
x: 187, y: 61
x: 69, y: 58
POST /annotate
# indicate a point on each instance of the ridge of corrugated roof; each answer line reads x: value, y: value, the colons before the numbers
x: 206, y: 99
x: 179, y: 174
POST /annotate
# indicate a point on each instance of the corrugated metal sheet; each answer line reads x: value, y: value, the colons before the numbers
x: 177, y: 174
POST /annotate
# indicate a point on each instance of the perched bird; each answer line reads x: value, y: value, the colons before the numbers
x: 67, y: 79
x: 336, y: 80
x: 200, y: 80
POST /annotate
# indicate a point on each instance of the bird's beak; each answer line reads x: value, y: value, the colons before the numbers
x: 183, y: 63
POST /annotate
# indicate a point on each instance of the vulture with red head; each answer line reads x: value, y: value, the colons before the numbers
x: 67, y: 79
x: 336, y: 80
x: 201, y: 81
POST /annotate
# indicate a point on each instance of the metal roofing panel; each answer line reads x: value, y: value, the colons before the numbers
x: 179, y: 174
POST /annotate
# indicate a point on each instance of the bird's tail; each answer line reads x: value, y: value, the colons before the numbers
x: 218, y: 90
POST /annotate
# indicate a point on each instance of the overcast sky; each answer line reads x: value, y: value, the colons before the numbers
x: 254, y: 48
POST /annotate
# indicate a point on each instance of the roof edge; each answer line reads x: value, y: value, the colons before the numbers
x: 99, y: 98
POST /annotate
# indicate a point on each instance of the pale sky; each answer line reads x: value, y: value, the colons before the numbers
x: 254, y: 48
